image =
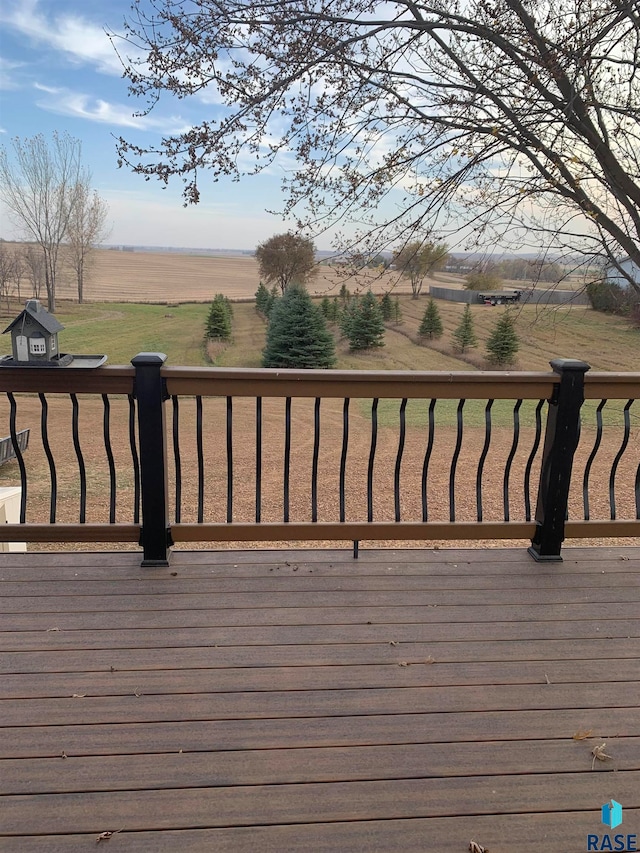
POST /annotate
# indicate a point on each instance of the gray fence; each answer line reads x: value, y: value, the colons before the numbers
x: 532, y: 295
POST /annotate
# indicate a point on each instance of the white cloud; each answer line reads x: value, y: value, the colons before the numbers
x: 7, y: 79
x: 81, y: 40
x: 80, y: 105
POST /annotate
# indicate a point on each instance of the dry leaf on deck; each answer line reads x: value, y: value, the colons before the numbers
x: 430, y: 660
x: 403, y: 663
x: 583, y: 734
x: 105, y: 836
x: 393, y: 642
x: 474, y: 847
x: 599, y: 754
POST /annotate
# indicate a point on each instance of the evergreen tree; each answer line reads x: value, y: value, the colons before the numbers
x: 431, y: 326
x: 503, y: 343
x: 397, y: 311
x: 297, y: 334
x: 345, y: 295
x: 219, y: 319
x: 263, y: 300
x: 365, y: 328
x: 386, y: 306
x: 325, y: 307
x: 464, y: 336
x: 347, y: 315
x: 334, y: 316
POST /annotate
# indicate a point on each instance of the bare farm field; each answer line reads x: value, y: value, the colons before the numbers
x: 117, y: 276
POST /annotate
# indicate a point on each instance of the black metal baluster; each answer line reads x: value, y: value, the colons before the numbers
x: 314, y: 464
x: 111, y: 463
x: 47, y: 449
x: 200, y: 459
x: 454, y: 462
x: 258, y: 459
x: 483, y: 456
x: 396, y: 477
x: 177, y: 462
x: 343, y: 456
x: 19, y: 457
x: 78, y: 450
x: 372, y: 456
x: 287, y: 455
x: 134, y: 459
x: 592, y: 456
x: 532, y: 455
x: 509, y: 462
x: 427, y: 459
x: 229, y: 460
x: 637, y: 491
x: 618, y: 457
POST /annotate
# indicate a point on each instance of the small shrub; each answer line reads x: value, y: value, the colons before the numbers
x: 483, y: 281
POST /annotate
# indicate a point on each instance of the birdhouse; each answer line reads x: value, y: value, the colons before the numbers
x: 34, y: 336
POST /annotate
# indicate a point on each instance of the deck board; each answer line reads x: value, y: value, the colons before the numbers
x: 410, y: 700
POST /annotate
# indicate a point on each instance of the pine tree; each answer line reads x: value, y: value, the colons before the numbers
x: 365, y: 328
x: 334, y: 316
x: 386, y: 306
x: 263, y: 299
x: 397, y: 311
x: 348, y: 313
x: 503, y: 343
x: 431, y: 326
x: 219, y: 319
x: 325, y: 307
x: 297, y: 334
x: 345, y: 295
x: 464, y: 336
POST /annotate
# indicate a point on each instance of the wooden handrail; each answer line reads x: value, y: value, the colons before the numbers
x: 243, y: 382
x: 110, y: 379
x: 613, y: 386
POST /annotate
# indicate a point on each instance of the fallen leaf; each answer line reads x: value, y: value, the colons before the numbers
x: 64, y: 754
x: 52, y: 629
x: 547, y: 678
x: 78, y: 695
x: 112, y: 669
x: 583, y: 734
x: 105, y: 836
x: 622, y: 557
x: 474, y: 847
x: 403, y: 663
x: 430, y: 660
x: 393, y: 642
x: 599, y: 754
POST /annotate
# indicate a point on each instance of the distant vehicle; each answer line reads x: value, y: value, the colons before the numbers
x: 500, y: 297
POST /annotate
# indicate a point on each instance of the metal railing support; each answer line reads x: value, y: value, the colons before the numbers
x: 150, y: 393
x: 560, y: 442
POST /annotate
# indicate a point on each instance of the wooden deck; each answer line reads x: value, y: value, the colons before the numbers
x: 271, y: 701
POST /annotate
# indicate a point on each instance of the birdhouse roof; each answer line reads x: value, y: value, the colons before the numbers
x: 42, y: 317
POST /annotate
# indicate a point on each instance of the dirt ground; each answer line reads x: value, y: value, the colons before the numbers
x: 93, y: 449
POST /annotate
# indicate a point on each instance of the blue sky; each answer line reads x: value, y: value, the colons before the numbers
x: 58, y: 71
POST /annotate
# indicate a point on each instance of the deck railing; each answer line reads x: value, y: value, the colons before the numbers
x: 220, y: 455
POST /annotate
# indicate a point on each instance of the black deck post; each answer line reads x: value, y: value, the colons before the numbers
x: 560, y: 442
x: 150, y: 394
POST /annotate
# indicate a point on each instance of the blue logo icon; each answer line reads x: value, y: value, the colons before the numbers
x: 612, y: 814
